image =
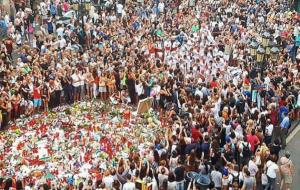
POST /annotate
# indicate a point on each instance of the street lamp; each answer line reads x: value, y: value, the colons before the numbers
x: 269, y: 47
x: 253, y: 48
x: 85, y: 5
x: 265, y: 39
x: 75, y: 6
x: 274, y: 53
x: 260, y: 54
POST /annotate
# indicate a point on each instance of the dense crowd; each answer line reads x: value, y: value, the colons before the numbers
x: 226, y: 119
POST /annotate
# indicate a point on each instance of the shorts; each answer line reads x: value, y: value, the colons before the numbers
x: 102, y: 89
x: 37, y: 102
x: 77, y: 89
x: 287, y: 178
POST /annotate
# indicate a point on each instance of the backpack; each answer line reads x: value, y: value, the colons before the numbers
x: 235, y: 181
x: 246, y: 151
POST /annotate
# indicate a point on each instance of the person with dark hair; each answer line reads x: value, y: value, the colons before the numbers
x: 8, y: 184
x: 98, y: 183
x: 171, y: 182
x: 245, y: 151
x: 205, y: 147
x: 275, y: 148
x: 164, y: 185
x: 131, y: 87
x: 162, y: 176
x: 89, y: 185
x: 272, y: 172
x: 19, y: 185
x: 2, y: 184
x: 129, y: 185
x: 249, y: 181
x: 268, y: 131
x: 80, y: 186
x: 180, y: 173
x: 116, y: 185
x: 216, y: 177
x: 44, y: 187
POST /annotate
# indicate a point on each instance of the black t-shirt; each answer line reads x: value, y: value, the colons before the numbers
x: 229, y: 156
x: 216, y: 31
x: 275, y: 149
x: 240, y: 105
x: 243, y: 21
x: 179, y: 173
x: 24, y: 93
x: 205, y: 147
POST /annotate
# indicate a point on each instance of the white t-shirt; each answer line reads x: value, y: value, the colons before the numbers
x: 216, y: 178
x: 129, y: 186
x: 108, y: 181
x: 161, y: 179
x: 76, y: 80
x: 252, y: 167
x: 172, y: 185
x: 62, y: 43
x: 82, y: 79
x: 119, y: 8
x: 18, y: 39
x: 161, y: 7
x: 139, y: 89
x: 269, y: 130
x: 271, y: 169
x: 60, y: 31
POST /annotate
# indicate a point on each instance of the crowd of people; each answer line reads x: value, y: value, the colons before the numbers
x: 225, y: 118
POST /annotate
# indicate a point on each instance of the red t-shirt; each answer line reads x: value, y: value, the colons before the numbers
x: 213, y: 84
x: 247, y: 82
x: 274, y: 117
x: 281, y: 103
x: 196, y: 135
x: 36, y: 93
x: 253, y: 140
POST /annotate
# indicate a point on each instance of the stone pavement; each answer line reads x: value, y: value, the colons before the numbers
x: 293, y: 146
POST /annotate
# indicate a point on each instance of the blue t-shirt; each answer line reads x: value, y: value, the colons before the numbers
x: 136, y: 25
x: 297, y: 40
x: 282, y: 109
x: 285, y: 123
x: 52, y: 9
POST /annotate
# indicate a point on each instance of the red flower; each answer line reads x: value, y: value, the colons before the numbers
x: 32, y: 122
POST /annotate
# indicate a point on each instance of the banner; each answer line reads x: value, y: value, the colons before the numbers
x: 144, y: 105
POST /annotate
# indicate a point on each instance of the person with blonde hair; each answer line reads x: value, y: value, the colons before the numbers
x: 250, y: 126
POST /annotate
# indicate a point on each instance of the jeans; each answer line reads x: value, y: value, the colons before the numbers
x: 283, y: 135
x: 268, y: 139
x: 271, y: 183
x: 68, y: 93
x: 180, y: 185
